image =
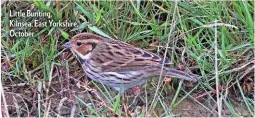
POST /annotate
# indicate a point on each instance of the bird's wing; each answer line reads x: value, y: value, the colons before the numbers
x: 118, y: 56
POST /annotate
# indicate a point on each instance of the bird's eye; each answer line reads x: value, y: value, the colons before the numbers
x: 78, y: 43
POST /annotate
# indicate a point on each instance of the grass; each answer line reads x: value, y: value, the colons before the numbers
x: 183, y: 32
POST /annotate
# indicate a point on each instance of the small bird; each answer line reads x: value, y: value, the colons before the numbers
x: 117, y: 64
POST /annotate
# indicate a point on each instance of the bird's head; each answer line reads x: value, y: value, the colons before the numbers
x: 83, y: 44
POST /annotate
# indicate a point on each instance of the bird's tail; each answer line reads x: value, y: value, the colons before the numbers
x: 182, y: 75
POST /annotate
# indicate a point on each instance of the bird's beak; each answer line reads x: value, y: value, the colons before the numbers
x: 67, y: 45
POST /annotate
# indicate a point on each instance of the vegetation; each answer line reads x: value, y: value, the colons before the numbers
x: 213, y: 39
